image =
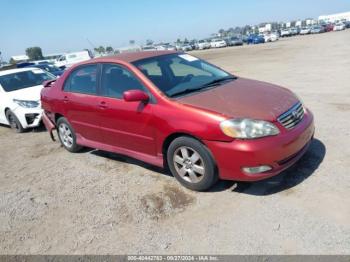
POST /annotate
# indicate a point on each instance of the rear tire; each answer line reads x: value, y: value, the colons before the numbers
x: 67, y: 135
x: 15, y: 124
x: 192, y: 164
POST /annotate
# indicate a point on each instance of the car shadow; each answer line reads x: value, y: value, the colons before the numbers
x: 129, y: 160
x: 39, y: 129
x: 288, y: 179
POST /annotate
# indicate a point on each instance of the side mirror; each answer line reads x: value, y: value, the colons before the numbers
x: 135, y: 96
x: 49, y: 83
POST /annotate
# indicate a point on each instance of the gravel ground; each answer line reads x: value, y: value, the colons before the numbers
x: 94, y: 202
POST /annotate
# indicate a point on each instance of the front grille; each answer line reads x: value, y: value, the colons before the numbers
x: 292, y: 117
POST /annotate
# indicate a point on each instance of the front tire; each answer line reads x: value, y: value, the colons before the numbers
x: 67, y: 135
x: 192, y: 164
x: 15, y: 124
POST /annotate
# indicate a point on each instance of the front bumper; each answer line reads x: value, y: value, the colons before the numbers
x: 28, y: 117
x: 279, y: 152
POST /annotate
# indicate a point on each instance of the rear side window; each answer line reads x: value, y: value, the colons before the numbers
x: 82, y: 80
x: 117, y: 79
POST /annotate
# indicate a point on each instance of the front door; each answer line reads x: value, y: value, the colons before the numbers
x: 126, y: 125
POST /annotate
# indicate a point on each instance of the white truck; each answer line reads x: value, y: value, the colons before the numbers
x: 69, y: 59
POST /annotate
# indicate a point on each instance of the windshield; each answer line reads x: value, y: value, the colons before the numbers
x: 176, y: 74
x: 25, y: 79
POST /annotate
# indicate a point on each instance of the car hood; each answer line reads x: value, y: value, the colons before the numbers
x: 244, y: 98
x: 30, y: 93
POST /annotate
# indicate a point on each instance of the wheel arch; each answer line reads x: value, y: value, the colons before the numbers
x: 57, y: 116
x: 170, y: 138
x: 5, y: 112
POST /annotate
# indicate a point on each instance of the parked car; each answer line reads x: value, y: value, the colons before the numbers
x: 294, y: 31
x: 305, y: 30
x: 217, y: 43
x: 194, y: 45
x: 347, y: 24
x: 49, y: 68
x: 70, y: 59
x: 203, y: 44
x: 149, y: 48
x: 20, y: 97
x: 173, y: 109
x: 255, y: 39
x: 234, y: 41
x: 328, y: 27
x: 185, y: 47
x: 270, y: 37
x: 285, y: 32
x: 317, y: 29
x: 339, y: 27
x: 163, y: 47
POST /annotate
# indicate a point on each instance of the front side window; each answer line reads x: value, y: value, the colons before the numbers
x: 83, y: 80
x: 117, y: 79
x: 178, y: 74
x: 25, y: 79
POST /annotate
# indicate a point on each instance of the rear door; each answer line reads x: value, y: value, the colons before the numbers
x: 81, y: 102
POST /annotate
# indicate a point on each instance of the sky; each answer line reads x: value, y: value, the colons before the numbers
x: 72, y: 25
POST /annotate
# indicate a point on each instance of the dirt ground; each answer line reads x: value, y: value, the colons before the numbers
x: 55, y: 202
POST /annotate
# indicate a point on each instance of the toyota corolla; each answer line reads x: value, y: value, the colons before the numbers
x: 176, y: 111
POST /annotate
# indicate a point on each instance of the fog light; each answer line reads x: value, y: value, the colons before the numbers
x: 256, y: 169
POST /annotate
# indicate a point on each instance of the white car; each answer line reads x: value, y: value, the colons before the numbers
x: 339, y: 27
x: 70, y: 59
x: 165, y: 47
x: 305, y: 31
x: 217, y: 43
x: 20, y: 89
x: 285, y: 33
x: 272, y: 37
x: 202, y: 44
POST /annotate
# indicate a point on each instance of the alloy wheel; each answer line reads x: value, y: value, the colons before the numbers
x: 189, y: 164
x: 66, y: 135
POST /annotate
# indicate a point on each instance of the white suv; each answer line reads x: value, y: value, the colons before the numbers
x: 20, y: 97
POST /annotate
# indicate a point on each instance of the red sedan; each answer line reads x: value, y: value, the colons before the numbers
x: 174, y: 110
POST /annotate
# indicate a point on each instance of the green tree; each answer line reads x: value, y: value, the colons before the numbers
x: 222, y: 32
x: 100, y: 49
x: 109, y: 49
x: 34, y: 53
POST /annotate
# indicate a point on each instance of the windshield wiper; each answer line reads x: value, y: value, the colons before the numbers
x: 218, y: 81
x: 210, y: 84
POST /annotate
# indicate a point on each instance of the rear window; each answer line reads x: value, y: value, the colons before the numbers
x: 25, y: 79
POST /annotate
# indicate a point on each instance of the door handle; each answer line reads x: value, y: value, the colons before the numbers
x: 65, y: 99
x: 103, y: 105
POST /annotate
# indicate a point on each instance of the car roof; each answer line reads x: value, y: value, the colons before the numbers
x: 16, y: 70
x: 132, y: 56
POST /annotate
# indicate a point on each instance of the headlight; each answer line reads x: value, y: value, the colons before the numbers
x: 26, y: 103
x: 248, y: 128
